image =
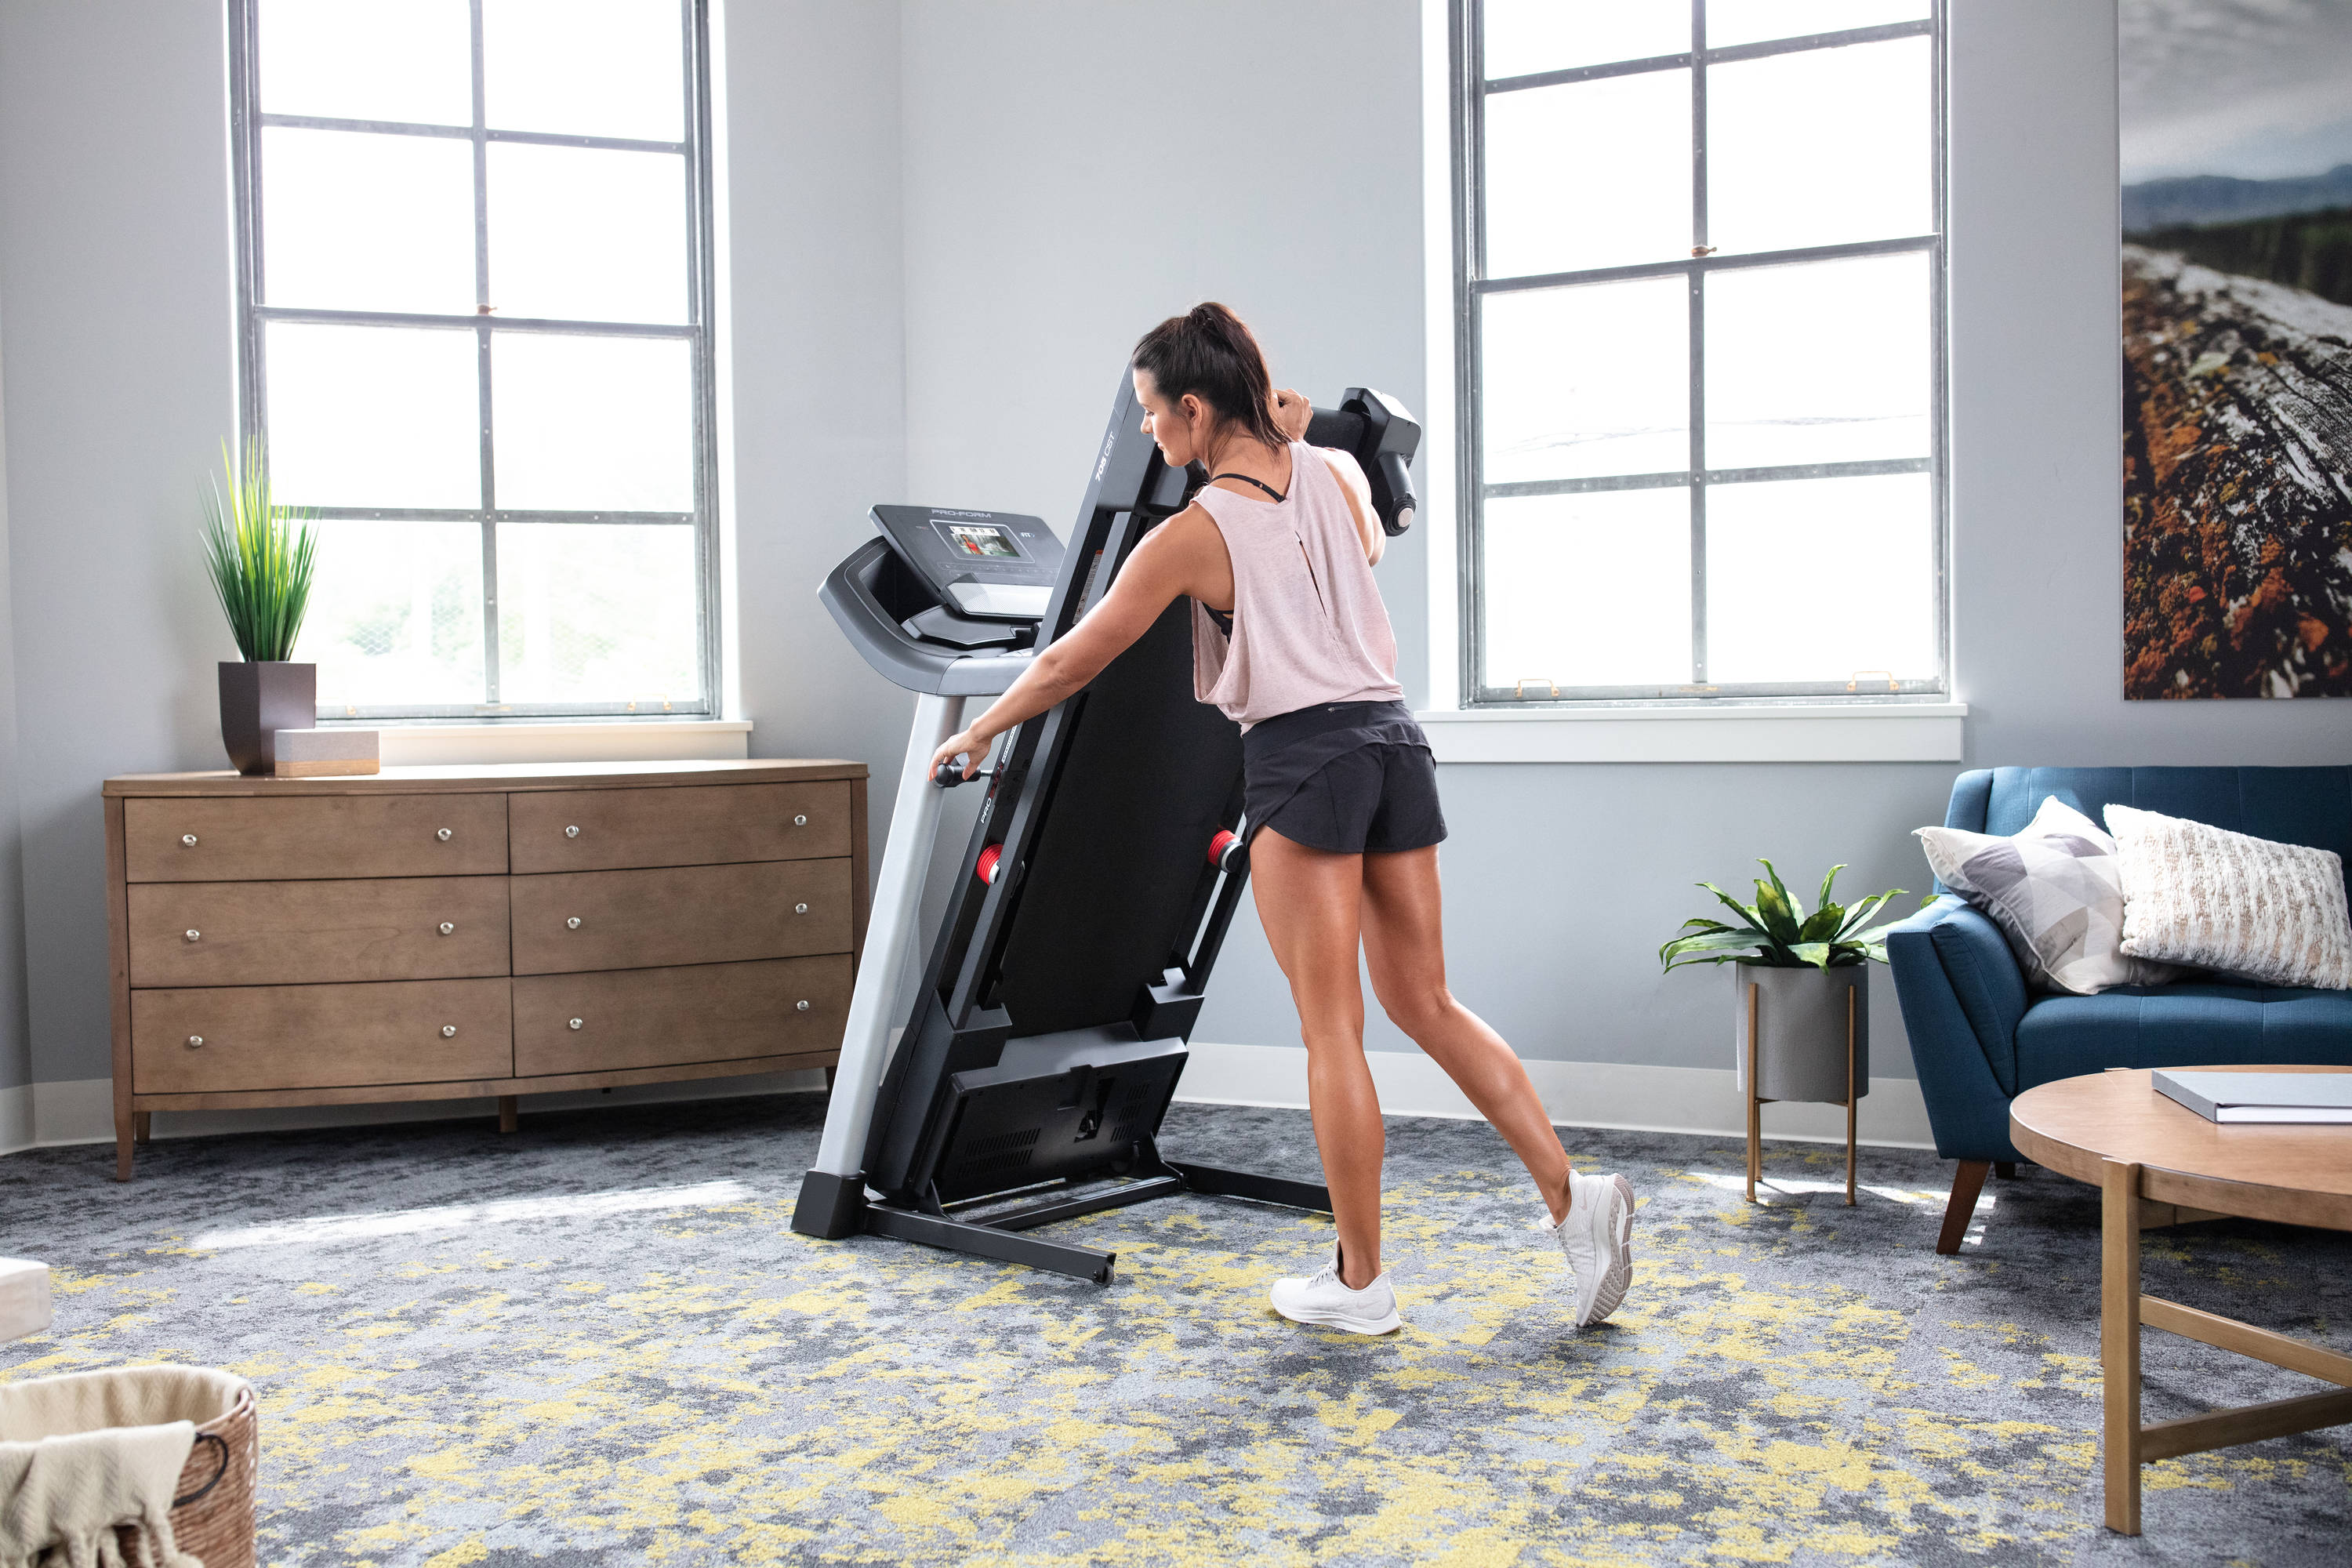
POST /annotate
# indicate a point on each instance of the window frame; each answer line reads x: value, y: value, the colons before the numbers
x: 1467, y: 92
x: 248, y: 122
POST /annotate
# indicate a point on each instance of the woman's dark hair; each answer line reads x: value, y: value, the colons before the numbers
x: 1210, y: 353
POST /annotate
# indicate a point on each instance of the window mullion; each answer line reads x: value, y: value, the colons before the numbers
x: 482, y: 307
x: 1699, y: 248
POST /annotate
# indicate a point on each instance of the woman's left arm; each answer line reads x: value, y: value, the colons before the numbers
x: 1292, y: 415
x: 1156, y: 573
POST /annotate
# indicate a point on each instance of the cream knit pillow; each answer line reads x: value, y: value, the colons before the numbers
x: 2204, y: 896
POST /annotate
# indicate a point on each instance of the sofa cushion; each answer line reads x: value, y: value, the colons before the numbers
x: 2290, y: 805
x: 2186, y: 1024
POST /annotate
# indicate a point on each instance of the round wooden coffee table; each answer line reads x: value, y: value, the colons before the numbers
x: 2156, y: 1162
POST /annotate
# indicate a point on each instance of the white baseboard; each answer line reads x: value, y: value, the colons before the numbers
x: 1578, y: 1094
x: 81, y: 1110
x: 1629, y: 1096
x: 15, y: 1118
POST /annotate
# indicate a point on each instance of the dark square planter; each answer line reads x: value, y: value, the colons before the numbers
x: 257, y: 700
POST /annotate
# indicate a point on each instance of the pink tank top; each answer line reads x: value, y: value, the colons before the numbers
x: 1308, y: 623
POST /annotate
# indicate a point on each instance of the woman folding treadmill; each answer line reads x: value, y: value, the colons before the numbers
x: 1049, y: 1031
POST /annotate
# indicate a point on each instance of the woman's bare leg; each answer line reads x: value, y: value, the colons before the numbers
x: 1405, y: 946
x: 1309, y: 902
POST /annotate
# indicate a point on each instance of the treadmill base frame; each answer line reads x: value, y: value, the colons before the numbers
x: 998, y: 1238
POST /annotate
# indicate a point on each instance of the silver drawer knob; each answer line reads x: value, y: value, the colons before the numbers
x: 196, y: 1042
x: 448, y: 928
x: 193, y: 935
x: 797, y: 822
x: 800, y: 1006
x: 442, y: 834
x: 189, y: 840
x: 572, y: 924
x: 448, y: 1031
x: 575, y: 1023
x: 800, y: 909
x: 571, y: 833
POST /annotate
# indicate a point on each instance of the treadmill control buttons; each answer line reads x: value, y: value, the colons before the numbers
x: 575, y: 1023
x: 571, y: 833
x: 572, y: 924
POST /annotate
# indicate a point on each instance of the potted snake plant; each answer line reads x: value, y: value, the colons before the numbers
x: 1811, y: 983
x: 260, y: 557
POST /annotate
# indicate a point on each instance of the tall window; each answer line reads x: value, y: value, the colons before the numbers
x: 475, y: 247
x: 1700, y: 261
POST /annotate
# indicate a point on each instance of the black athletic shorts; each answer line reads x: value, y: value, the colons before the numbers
x: 1349, y: 778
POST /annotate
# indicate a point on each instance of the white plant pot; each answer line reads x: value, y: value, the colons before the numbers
x: 1801, y: 1028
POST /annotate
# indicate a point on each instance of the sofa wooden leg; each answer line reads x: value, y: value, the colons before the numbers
x: 2005, y: 1169
x: 1968, y: 1181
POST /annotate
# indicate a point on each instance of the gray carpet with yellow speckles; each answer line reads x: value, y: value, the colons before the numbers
x: 598, y: 1342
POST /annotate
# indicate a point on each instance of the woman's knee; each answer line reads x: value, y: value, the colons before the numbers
x: 1418, y: 1009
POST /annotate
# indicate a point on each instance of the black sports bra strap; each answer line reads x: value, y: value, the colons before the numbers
x: 1245, y: 479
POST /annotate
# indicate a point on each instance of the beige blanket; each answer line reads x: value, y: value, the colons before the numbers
x: 82, y: 1454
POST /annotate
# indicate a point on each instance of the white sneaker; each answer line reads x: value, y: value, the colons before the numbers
x: 1324, y: 1299
x: 1597, y: 1239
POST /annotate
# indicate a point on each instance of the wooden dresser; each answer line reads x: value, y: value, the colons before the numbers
x: 444, y: 932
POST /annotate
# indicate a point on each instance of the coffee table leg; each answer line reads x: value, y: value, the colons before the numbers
x: 2119, y: 1339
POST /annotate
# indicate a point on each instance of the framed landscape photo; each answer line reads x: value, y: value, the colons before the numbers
x: 2236, y: 141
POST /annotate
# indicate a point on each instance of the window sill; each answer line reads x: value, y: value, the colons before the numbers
x: 563, y: 741
x: 1798, y: 732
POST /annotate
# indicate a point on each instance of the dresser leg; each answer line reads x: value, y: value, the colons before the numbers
x: 122, y: 1145
x: 508, y: 1117
x: 143, y: 1126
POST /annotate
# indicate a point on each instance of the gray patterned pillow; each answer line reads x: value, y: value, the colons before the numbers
x: 2203, y: 895
x: 2056, y: 891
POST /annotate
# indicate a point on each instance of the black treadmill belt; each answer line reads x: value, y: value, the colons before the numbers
x: 1149, y: 776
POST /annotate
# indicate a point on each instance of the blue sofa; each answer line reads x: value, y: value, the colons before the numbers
x: 1978, y: 1037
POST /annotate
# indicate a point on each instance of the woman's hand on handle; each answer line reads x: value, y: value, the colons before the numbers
x: 968, y: 744
x: 1292, y: 413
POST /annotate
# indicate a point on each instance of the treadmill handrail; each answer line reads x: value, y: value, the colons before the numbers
x: 885, y: 645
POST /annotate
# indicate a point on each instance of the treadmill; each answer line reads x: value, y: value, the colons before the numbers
x: 1107, y: 859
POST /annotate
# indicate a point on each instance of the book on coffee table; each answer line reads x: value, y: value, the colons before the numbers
x: 2281, y: 1097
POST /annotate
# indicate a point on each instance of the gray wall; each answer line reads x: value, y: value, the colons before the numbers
x: 114, y: 265
x: 15, y: 1037
x: 950, y: 219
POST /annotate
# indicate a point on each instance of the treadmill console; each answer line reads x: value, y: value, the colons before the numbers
x: 982, y: 565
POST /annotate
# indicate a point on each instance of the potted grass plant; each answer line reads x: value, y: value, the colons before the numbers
x: 259, y: 556
x: 1802, y: 983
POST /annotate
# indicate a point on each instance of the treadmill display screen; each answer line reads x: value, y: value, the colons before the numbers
x: 986, y: 540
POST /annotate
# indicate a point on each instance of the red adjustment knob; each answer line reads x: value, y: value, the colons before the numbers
x: 985, y: 869
x: 1220, y: 846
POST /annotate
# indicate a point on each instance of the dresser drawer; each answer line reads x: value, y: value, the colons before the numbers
x: 265, y: 838
x: 319, y: 1036
x: 690, y: 825
x: 291, y: 933
x: 693, y: 914
x: 662, y: 1017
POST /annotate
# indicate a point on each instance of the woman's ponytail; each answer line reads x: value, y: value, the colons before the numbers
x: 1211, y: 354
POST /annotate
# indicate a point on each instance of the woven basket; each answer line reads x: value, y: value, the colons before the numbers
x: 212, y: 1513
